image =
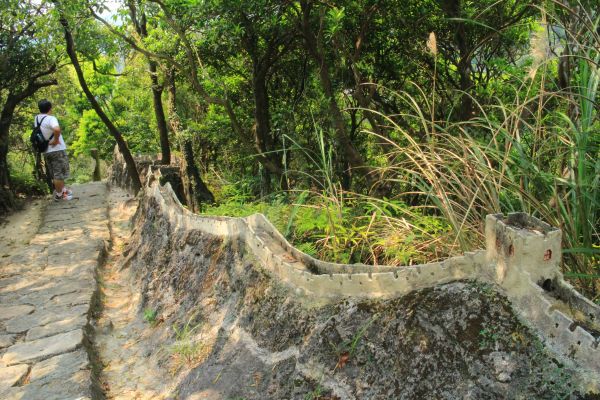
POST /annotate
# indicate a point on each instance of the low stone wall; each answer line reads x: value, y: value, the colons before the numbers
x: 147, y: 166
x: 522, y: 257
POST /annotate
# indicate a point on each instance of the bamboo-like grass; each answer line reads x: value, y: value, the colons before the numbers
x: 538, y: 154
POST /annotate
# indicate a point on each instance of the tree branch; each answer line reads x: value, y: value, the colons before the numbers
x: 133, y: 44
x: 95, y: 68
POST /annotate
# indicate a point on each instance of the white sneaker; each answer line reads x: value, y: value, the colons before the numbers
x: 68, y: 191
x: 64, y: 196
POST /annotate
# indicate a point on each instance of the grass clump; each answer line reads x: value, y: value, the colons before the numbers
x: 187, y: 347
x: 150, y: 316
x: 353, y: 229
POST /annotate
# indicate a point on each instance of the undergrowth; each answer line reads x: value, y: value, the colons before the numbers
x: 357, y: 231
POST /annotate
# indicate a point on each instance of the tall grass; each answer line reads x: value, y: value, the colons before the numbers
x: 348, y: 227
x: 538, y: 154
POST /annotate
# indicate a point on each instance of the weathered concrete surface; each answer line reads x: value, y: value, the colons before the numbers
x: 42, y: 349
x: 47, y: 291
x: 252, y: 335
x: 11, y: 375
x: 8, y: 312
x: 522, y: 259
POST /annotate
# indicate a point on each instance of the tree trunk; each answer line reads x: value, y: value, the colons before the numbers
x: 6, y: 117
x: 453, y: 9
x: 264, y: 143
x: 6, y: 196
x: 201, y: 192
x: 138, y: 17
x: 313, y: 46
x: 4, y: 172
x: 464, y: 69
x: 114, y: 131
x: 195, y: 189
x: 159, y: 113
x: 42, y: 172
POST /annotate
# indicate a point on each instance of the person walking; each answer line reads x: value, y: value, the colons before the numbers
x: 56, y: 154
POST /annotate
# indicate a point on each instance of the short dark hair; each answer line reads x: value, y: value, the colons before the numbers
x: 44, y: 106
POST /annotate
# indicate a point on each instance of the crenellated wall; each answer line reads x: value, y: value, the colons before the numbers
x: 522, y: 255
x: 522, y: 258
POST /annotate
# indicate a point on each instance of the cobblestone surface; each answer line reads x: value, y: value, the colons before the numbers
x: 47, y: 291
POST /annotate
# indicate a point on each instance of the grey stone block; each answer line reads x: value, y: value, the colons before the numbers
x: 43, y: 348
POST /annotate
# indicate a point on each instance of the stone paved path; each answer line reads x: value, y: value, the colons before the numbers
x: 47, y: 293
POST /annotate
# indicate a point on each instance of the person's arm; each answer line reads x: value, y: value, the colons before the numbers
x: 55, y: 139
x: 55, y: 130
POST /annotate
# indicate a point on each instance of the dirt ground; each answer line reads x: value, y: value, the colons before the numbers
x: 18, y: 228
x: 122, y: 335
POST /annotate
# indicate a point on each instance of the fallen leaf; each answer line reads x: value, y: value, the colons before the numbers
x: 343, y: 360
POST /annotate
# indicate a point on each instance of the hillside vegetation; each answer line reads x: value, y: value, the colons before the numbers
x: 368, y: 131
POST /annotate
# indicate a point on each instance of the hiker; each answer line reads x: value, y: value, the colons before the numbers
x: 56, y: 153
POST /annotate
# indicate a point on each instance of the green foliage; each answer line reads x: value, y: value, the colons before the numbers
x: 23, y: 180
x: 27, y: 47
x: 150, y: 316
x: 487, y: 339
x: 363, y: 230
x: 91, y: 134
x: 25, y: 183
x: 82, y: 168
x: 350, y: 346
x: 315, y: 394
x: 186, y: 345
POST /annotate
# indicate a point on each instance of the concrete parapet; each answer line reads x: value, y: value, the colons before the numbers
x: 522, y: 258
x: 312, y: 276
x: 521, y: 243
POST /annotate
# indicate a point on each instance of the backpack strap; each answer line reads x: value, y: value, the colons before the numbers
x: 39, y: 125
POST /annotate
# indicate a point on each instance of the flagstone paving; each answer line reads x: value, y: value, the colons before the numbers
x: 47, y: 293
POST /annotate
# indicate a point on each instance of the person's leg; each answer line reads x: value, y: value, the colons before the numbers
x: 66, y: 173
x: 59, y: 185
x: 59, y: 167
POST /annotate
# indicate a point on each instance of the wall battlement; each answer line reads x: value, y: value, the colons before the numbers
x: 522, y: 258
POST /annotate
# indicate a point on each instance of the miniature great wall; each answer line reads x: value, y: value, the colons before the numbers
x: 494, y: 323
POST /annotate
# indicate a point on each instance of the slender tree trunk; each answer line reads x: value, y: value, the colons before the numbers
x: 6, y: 117
x: 201, y: 192
x: 5, y: 121
x: 453, y: 9
x: 6, y: 197
x: 464, y: 69
x: 140, y: 23
x: 195, y: 189
x: 114, y: 131
x: 313, y: 46
x: 42, y: 173
x: 159, y: 113
x: 174, y: 121
x: 264, y: 143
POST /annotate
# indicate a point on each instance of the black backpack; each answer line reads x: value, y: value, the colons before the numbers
x: 38, y: 141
